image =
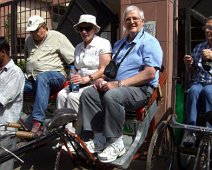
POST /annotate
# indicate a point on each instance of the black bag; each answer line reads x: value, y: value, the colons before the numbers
x: 111, y: 69
x: 207, y: 65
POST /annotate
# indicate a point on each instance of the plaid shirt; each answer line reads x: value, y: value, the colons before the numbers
x: 201, y: 76
x: 11, y: 93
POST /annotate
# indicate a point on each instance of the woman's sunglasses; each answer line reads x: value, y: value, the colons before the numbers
x: 87, y: 29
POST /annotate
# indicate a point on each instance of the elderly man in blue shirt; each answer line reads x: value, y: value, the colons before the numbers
x: 103, y: 105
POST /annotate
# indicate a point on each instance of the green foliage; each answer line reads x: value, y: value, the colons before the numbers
x: 22, y: 64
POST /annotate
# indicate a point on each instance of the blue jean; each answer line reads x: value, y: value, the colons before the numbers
x: 42, y: 87
x: 198, y: 96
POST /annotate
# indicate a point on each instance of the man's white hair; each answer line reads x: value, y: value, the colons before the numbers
x: 133, y: 8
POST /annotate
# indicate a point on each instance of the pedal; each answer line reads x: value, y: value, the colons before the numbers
x: 23, y: 125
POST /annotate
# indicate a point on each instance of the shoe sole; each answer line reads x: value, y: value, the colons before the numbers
x: 111, y: 160
x: 93, y: 150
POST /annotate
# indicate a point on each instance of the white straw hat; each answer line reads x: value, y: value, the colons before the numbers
x: 88, y: 19
x: 34, y: 22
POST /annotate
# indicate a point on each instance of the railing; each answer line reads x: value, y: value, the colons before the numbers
x: 14, y: 15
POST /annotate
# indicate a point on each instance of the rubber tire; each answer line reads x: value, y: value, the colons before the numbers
x: 166, y: 143
x: 183, y: 159
x: 203, y: 156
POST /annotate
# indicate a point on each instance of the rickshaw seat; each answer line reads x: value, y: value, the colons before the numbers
x: 143, y: 122
x: 62, y: 117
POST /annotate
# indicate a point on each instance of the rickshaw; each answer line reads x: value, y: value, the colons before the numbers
x: 138, y: 125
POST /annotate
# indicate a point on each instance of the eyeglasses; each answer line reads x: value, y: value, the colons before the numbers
x: 209, y: 27
x: 87, y: 29
x: 134, y: 19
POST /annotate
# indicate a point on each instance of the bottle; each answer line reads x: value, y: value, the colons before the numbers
x: 73, y: 87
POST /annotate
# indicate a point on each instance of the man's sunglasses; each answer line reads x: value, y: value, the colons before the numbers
x: 87, y: 29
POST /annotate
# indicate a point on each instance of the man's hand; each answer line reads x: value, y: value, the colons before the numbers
x: 188, y: 60
x: 102, y: 85
x: 98, y: 83
x: 109, y: 85
x: 206, y: 54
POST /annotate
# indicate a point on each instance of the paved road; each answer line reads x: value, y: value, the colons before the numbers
x: 43, y: 159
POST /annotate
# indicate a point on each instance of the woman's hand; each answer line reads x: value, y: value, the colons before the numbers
x: 77, y: 79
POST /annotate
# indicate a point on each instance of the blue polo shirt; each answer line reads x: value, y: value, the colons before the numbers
x: 146, y: 52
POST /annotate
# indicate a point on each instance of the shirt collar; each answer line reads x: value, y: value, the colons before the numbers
x: 137, y: 37
x: 93, y: 43
x: 207, y: 45
x: 8, y: 65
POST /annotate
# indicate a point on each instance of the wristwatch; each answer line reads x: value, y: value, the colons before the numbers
x: 90, y: 77
x: 120, y: 84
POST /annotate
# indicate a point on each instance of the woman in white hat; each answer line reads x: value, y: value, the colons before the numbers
x: 91, y: 57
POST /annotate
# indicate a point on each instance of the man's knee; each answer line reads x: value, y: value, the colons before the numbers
x: 194, y: 90
x: 41, y: 79
x: 111, y: 97
x: 207, y: 91
x: 72, y: 97
x: 87, y: 93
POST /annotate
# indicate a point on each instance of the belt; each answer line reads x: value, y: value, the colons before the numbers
x: 31, y: 78
x: 84, y: 85
x: 153, y: 87
x: 149, y: 85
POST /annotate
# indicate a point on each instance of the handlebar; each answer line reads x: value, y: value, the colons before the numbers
x: 25, y: 135
x: 12, y: 154
x: 11, y: 125
x: 173, y: 123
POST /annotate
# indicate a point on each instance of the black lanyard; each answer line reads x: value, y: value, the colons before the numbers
x: 121, y: 47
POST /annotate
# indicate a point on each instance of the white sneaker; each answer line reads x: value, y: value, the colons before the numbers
x: 114, y: 150
x: 208, y: 125
x: 95, y: 146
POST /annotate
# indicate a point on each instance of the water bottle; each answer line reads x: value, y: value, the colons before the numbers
x: 73, y: 87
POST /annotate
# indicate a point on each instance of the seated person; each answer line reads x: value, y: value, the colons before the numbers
x: 200, y: 90
x: 46, y: 52
x: 91, y: 57
x: 103, y: 105
x: 11, y: 98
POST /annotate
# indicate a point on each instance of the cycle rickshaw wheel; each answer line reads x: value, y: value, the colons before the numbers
x: 161, y: 148
x: 203, y: 157
x: 183, y: 154
x: 183, y: 159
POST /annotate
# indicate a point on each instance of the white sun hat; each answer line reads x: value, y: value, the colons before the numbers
x: 87, y: 19
x: 34, y: 22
